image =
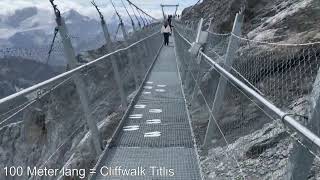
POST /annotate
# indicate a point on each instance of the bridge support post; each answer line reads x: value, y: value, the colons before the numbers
x: 104, y: 27
x: 301, y: 158
x: 106, y: 35
x: 175, y: 13
x: 202, y: 39
x: 80, y: 84
x: 119, y: 83
x: 164, y: 16
x: 197, y: 46
x: 114, y: 64
x: 130, y: 55
x: 212, y: 128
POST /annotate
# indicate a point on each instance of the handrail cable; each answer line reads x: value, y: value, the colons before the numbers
x: 115, y: 9
x: 276, y: 44
x: 219, y: 34
x: 135, y: 15
x: 146, y: 19
x: 144, y: 24
x: 31, y: 102
x: 142, y: 10
x: 132, y: 22
x: 56, y: 30
x: 98, y: 9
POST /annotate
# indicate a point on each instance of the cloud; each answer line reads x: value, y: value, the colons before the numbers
x: 85, y: 8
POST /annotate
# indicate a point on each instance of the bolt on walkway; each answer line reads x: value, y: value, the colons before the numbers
x: 156, y: 138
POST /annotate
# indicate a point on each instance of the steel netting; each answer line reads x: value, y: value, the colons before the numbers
x: 247, y: 136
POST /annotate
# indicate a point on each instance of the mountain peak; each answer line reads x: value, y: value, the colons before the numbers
x: 20, y: 15
x: 74, y: 15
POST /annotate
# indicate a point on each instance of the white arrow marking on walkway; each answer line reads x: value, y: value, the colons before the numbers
x: 136, y: 116
x: 146, y: 92
x: 160, y: 90
x: 147, y: 87
x: 161, y: 86
x: 154, y: 121
x: 131, y: 128
x: 140, y: 106
x: 155, y: 111
x: 149, y: 82
x: 152, y: 134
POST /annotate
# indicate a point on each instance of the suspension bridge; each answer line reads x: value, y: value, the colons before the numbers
x: 207, y: 98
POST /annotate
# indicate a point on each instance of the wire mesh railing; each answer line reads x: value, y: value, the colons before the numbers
x: 216, y: 43
x: 44, y: 125
x: 188, y: 31
x: 284, y: 74
x: 250, y: 140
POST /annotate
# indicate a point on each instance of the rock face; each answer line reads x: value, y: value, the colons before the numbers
x: 264, y: 20
x: 22, y: 73
x: 257, y: 145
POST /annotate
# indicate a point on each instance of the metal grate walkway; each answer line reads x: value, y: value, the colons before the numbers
x: 157, y: 135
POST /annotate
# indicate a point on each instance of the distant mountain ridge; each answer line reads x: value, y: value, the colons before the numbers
x: 25, y: 36
x: 34, y: 27
x: 20, y: 15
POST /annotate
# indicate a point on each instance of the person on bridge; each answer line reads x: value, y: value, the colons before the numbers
x: 166, y: 31
x: 170, y: 21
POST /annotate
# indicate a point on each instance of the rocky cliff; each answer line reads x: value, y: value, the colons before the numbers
x: 17, y: 73
x: 257, y: 146
x: 264, y: 20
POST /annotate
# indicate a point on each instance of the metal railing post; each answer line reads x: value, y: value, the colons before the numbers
x: 130, y: 55
x: 109, y: 47
x: 105, y: 30
x: 201, y: 39
x: 301, y: 158
x: 126, y: 40
x: 212, y: 129
x: 124, y: 32
x: 164, y: 16
x: 119, y: 83
x: 106, y: 34
x: 118, y: 79
x: 80, y: 84
x: 199, y: 59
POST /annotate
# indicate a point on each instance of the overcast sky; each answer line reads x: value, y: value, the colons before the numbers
x: 84, y: 6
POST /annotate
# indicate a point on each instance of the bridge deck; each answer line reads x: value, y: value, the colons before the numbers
x: 157, y: 135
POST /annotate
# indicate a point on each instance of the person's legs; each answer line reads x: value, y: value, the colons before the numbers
x: 164, y: 38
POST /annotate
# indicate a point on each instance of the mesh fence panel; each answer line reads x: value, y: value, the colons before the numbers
x: 216, y: 45
x: 188, y: 32
x: 250, y: 141
x: 282, y: 73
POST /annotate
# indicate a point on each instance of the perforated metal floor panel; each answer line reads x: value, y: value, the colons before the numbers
x: 162, y: 86
x: 182, y: 161
x: 157, y: 135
